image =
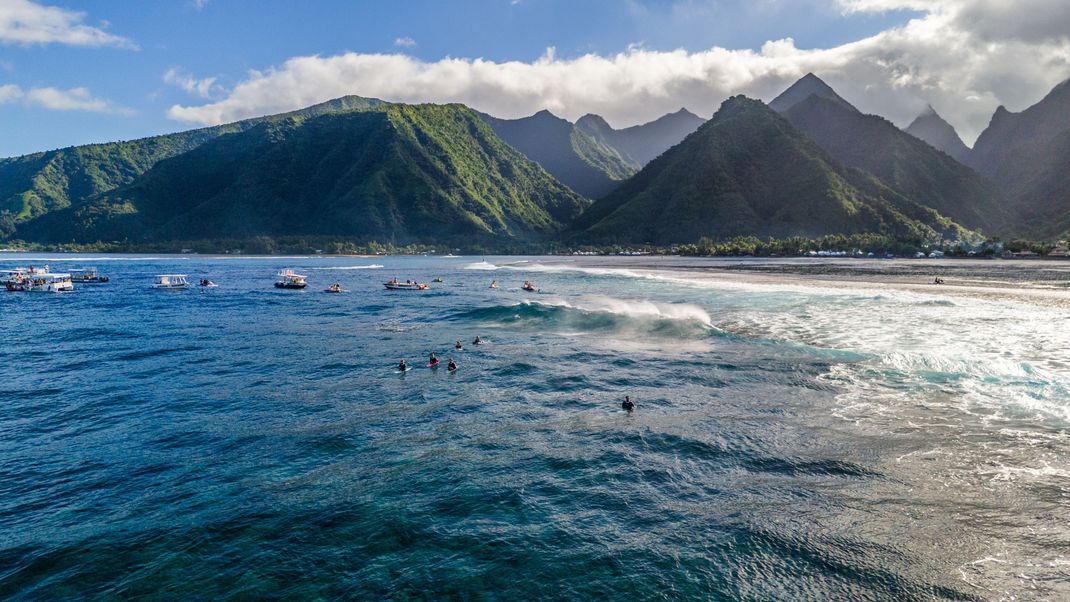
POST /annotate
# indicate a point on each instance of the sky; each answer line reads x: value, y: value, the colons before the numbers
x: 81, y: 71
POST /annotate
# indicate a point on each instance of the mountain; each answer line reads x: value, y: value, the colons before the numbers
x: 1027, y: 155
x: 389, y: 172
x: 809, y: 85
x: 579, y: 161
x: 1007, y: 131
x: 902, y: 162
x: 641, y: 144
x: 748, y: 171
x: 930, y: 127
x: 33, y: 185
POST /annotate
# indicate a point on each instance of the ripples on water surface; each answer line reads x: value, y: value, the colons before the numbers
x: 790, y: 443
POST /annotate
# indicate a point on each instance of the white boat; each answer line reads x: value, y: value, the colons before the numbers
x: 171, y: 282
x: 43, y: 283
x: 88, y: 276
x: 291, y: 279
x: 394, y: 285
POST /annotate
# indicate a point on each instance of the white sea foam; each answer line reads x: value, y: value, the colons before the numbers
x: 636, y: 308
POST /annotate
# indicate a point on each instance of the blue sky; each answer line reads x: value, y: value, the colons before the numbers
x: 211, y: 48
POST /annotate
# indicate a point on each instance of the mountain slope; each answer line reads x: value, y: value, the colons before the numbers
x: 902, y: 162
x: 577, y: 160
x: 1027, y: 155
x: 748, y: 171
x: 641, y: 144
x: 809, y: 85
x: 930, y: 127
x: 1007, y: 131
x: 33, y: 185
x: 402, y: 173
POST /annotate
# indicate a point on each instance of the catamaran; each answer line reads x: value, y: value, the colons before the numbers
x: 291, y: 279
x: 171, y: 282
x: 42, y: 283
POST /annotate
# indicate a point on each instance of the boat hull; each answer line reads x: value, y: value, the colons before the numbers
x: 290, y: 286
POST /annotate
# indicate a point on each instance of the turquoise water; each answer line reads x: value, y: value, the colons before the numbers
x: 790, y: 442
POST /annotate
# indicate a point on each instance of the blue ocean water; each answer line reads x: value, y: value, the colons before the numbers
x: 790, y: 442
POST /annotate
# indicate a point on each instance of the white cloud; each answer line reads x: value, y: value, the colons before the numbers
x: 965, y: 57
x: 55, y: 99
x: 405, y: 42
x: 199, y: 4
x: 26, y: 23
x: 205, y: 87
x: 9, y: 92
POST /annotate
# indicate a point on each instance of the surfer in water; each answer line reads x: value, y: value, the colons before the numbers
x: 433, y: 361
x: 402, y: 366
x: 458, y: 346
x: 452, y: 365
x: 477, y: 341
x: 627, y: 404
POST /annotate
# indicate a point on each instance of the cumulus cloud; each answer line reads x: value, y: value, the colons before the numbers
x: 405, y: 42
x: 204, y: 87
x: 73, y: 99
x: 950, y: 56
x: 25, y: 22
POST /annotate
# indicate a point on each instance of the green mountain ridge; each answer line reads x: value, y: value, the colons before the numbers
x: 748, y: 171
x: 33, y: 185
x: 403, y: 173
x: 579, y: 161
x: 902, y: 162
x: 641, y: 144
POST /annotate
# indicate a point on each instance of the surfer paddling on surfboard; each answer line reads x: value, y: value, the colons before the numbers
x: 432, y: 362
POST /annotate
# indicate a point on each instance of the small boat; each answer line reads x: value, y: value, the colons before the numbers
x: 206, y: 283
x: 13, y: 278
x: 42, y: 282
x: 335, y: 288
x: 291, y: 279
x: 88, y: 276
x: 528, y: 286
x: 171, y: 282
x: 394, y: 285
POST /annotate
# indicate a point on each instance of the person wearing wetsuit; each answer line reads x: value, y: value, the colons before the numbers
x: 627, y: 404
x: 478, y: 341
x: 458, y: 345
x: 434, y: 360
x: 403, y: 366
x: 452, y: 365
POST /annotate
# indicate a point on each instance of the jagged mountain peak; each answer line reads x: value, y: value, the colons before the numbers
x: 809, y: 85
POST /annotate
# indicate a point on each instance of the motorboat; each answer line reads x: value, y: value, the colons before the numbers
x: 88, y: 276
x: 335, y: 288
x: 206, y: 283
x: 291, y: 279
x: 13, y: 278
x: 395, y: 285
x: 171, y: 282
x: 47, y: 282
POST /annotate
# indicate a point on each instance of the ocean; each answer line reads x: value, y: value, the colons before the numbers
x: 804, y: 430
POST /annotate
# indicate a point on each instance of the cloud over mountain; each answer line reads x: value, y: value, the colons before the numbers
x: 965, y: 57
